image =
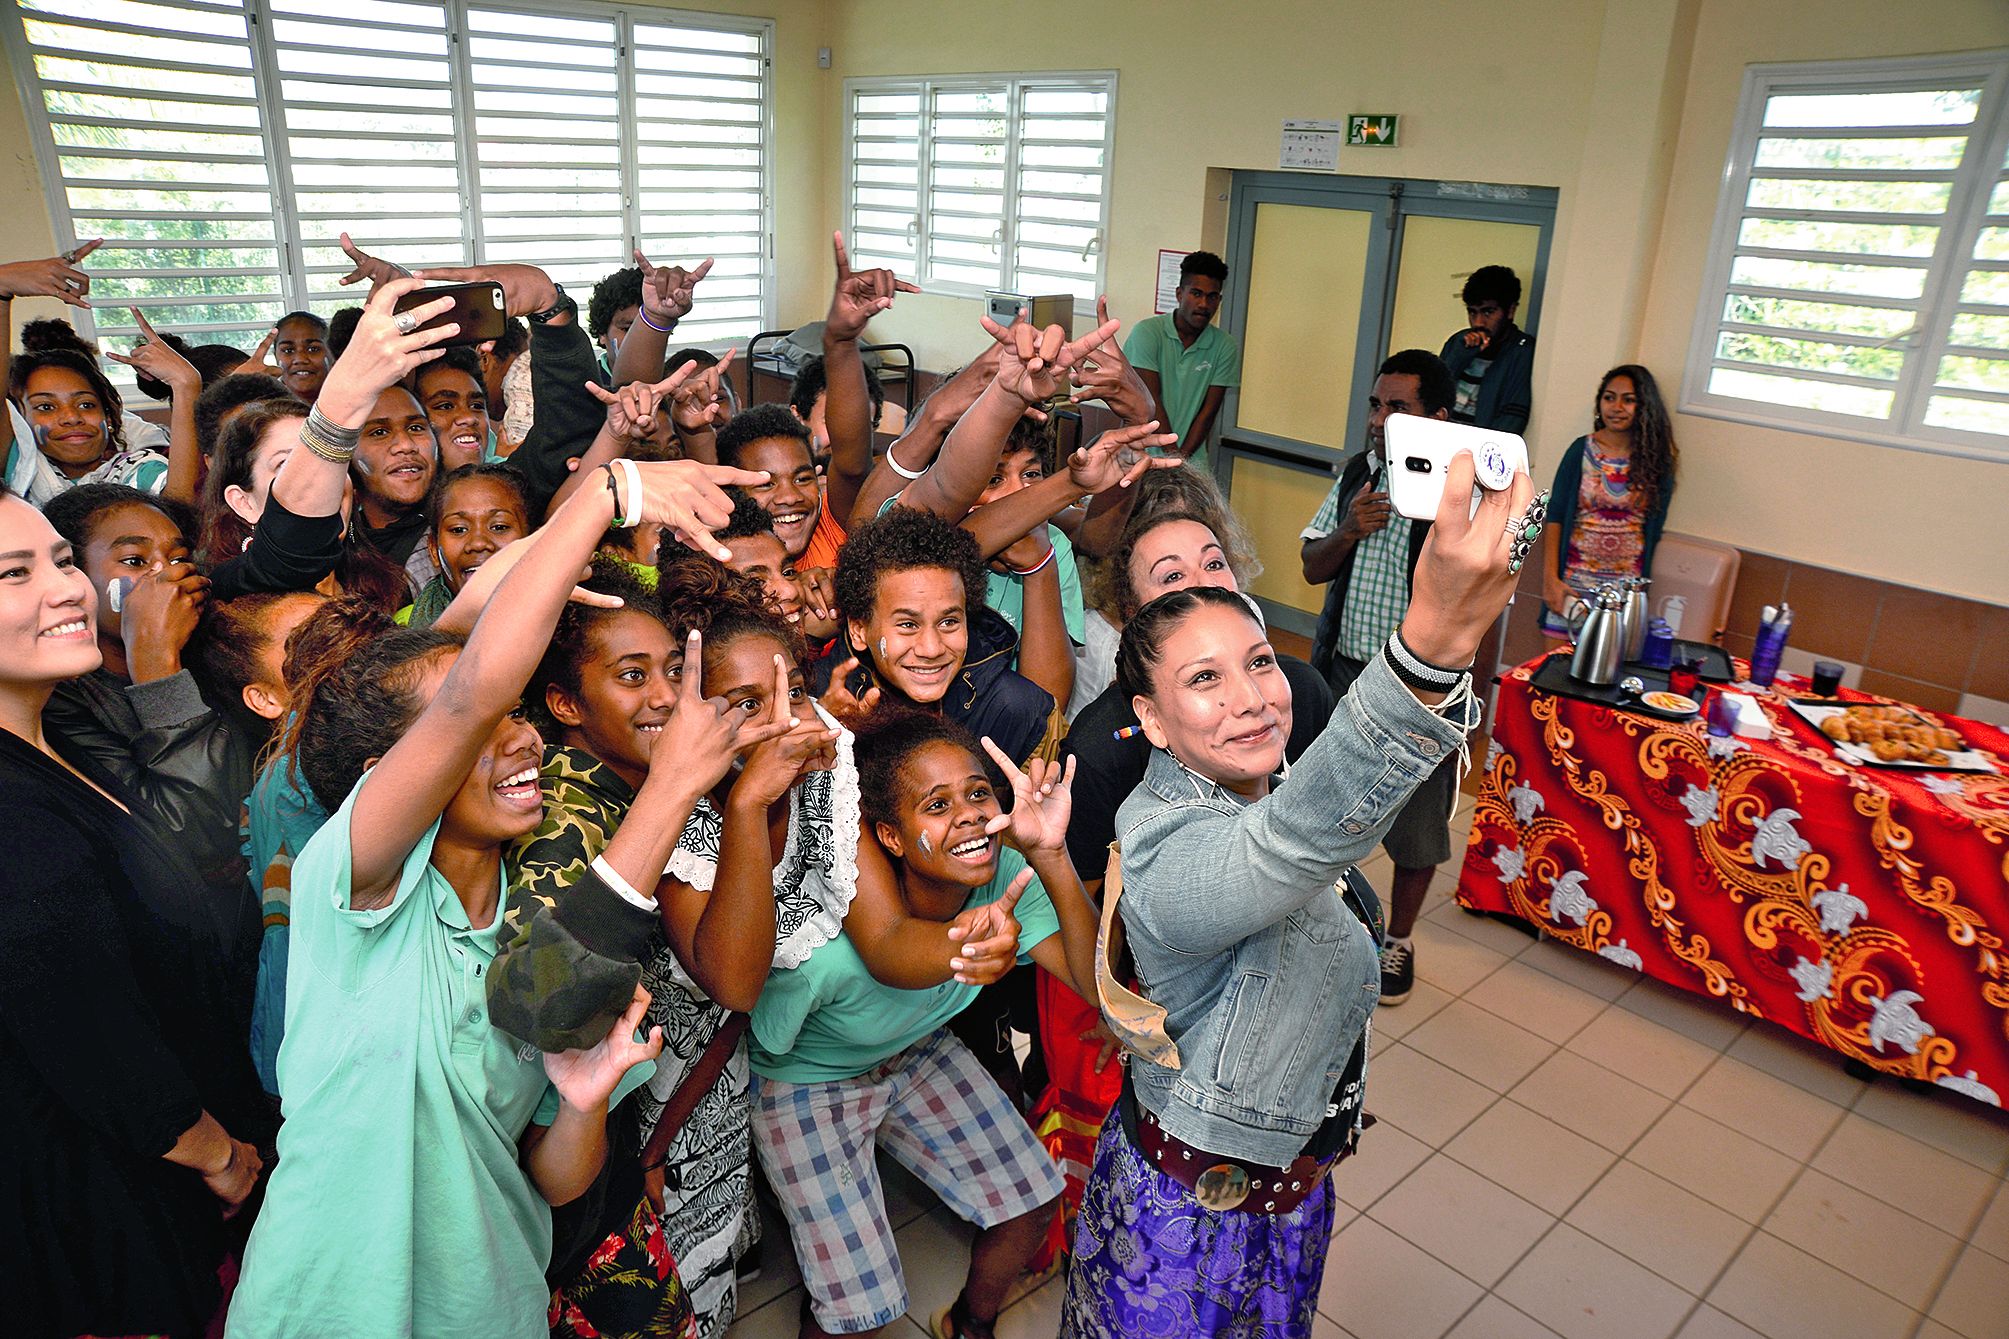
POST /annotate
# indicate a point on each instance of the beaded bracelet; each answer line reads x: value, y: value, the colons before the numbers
x: 1417, y: 672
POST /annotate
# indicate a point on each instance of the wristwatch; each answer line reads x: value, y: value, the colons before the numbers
x: 564, y: 304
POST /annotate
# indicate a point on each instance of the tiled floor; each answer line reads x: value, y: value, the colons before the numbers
x: 1569, y: 1149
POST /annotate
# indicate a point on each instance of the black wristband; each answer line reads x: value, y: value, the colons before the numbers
x: 564, y: 303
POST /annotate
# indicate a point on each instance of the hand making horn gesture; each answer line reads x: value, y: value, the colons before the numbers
x: 859, y: 295
x: 57, y: 277
x: 1035, y: 364
x: 632, y: 410
x: 669, y: 291
x: 158, y: 359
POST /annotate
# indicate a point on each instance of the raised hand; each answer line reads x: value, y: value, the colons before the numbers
x: 158, y: 617
x: 704, y: 734
x: 586, y: 1079
x: 260, y: 360
x: 381, y: 352
x: 668, y: 291
x: 699, y: 404
x: 819, y: 594
x: 631, y: 411
x: 858, y: 296
x: 1120, y: 457
x: 1105, y: 374
x: 377, y: 270
x: 1035, y: 364
x: 840, y: 701
x: 989, y: 936
x: 1042, y: 801
x: 525, y: 288
x: 786, y: 751
x: 57, y: 277
x: 482, y: 582
x: 1462, y: 581
x: 158, y: 359
x: 689, y: 499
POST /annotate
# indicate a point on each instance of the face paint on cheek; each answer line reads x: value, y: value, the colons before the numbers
x: 882, y: 648
x: 927, y: 847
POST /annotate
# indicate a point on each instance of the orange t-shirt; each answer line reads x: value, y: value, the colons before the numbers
x: 824, y: 541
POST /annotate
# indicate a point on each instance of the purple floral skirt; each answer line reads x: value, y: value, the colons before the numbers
x: 1149, y: 1261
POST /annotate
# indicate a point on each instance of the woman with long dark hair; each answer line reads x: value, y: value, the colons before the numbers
x: 1208, y: 1209
x: 1610, y: 495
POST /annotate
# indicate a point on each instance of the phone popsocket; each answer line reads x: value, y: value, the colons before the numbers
x: 1420, y: 451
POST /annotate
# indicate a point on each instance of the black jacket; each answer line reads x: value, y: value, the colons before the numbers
x: 187, y: 765
x: 566, y: 418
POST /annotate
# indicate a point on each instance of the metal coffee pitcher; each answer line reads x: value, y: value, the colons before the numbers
x: 1601, y: 640
x: 1637, y: 616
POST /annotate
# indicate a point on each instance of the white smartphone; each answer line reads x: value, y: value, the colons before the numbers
x: 1420, y: 449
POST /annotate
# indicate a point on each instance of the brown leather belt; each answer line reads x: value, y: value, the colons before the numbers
x: 1222, y: 1184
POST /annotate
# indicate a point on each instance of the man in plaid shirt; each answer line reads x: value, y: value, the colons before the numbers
x: 1357, y: 543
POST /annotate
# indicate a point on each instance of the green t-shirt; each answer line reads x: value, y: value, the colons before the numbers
x: 828, y: 1019
x: 1006, y: 593
x: 398, y: 1205
x: 1184, y: 375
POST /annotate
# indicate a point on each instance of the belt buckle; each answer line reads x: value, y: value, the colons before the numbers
x: 1222, y: 1186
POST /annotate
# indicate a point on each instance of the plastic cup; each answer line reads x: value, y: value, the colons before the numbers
x: 1682, y: 677
x: 1828, y: 677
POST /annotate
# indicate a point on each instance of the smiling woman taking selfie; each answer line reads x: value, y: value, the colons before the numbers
x: 1209, y: 1192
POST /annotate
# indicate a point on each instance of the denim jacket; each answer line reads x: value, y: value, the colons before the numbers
x: 1229, y: 906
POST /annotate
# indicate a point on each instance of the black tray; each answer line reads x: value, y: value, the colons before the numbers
x: 1715, y: 661
x: 1554, y: 677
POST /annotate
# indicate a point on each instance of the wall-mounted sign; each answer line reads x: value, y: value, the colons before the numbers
x: 1372, y: 132
x: 1168, y: 279
x: 1310, y: 145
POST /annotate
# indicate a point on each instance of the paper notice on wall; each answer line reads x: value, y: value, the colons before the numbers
x: 1168, y: 279
x: 1312, y: 146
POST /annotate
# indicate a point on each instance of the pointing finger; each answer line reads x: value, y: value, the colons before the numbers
x: 693, y: 687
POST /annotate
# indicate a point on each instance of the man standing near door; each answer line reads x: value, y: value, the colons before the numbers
x: 1492, y: 360
x: 1187, y: 360
x: 1368, y: 553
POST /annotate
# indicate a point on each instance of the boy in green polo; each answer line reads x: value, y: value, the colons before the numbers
x: 1187, y: 360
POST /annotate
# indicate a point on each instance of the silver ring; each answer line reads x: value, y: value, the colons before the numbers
x: 72, y: 284
x: 1524, y: 530
x: 69, y: 257
x: 405, y: 322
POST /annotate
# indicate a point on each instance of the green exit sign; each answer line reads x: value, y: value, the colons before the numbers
x: 1374, y: 132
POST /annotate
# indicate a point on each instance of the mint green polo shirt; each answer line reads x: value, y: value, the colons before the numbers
x: 1184, y: 375
x: 829, y: 1019
x: 1005, y: 591
x: 398, y: 1205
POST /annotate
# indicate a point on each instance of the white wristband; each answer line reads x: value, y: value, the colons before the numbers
x: 628, y: 891
x: 902, y: 470
x: 631, y: 491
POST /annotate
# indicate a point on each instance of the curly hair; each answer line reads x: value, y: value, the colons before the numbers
x: 500, y: 471
x: 362, y: 706
x: 1654, y: 454
x: 1143, y: 644
x: 53, y: 332
x: 572, y: 639
x: 319, y: 646
x: 25, y: 365
x: 693, y: 588
x: 236, y: 451
x: 622, y: 288
x: 903, y: 540
x: 758, y: 424
x: 887, y: 739
x: 75, y: 514
x: 735, y: 621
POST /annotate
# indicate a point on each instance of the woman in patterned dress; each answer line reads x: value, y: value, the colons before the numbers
x: 1610, y: 496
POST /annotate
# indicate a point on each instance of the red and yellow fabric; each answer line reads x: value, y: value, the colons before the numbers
x: 1862, y: 907
x: 1069, y: 1114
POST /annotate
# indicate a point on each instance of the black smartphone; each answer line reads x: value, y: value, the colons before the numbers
x: 477, y: 309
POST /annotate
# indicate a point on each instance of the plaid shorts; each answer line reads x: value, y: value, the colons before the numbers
x: 945, y: 1119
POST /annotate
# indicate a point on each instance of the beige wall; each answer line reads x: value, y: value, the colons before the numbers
x: 1624, y: 105
x: 1907, y: 516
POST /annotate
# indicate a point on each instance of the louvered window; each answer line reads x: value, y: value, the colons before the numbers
x: 222, y: 145
x: 1859, y: 279
x: 981, y: 183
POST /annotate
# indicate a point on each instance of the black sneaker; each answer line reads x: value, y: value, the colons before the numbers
x: 1398, y: 970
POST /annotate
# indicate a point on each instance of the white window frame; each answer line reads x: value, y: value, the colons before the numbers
x: 295, y: 283
x: 1966, y: 213
x: 1016, y: 83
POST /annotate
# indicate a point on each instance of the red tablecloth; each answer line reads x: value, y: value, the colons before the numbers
x: 1862, y: 907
